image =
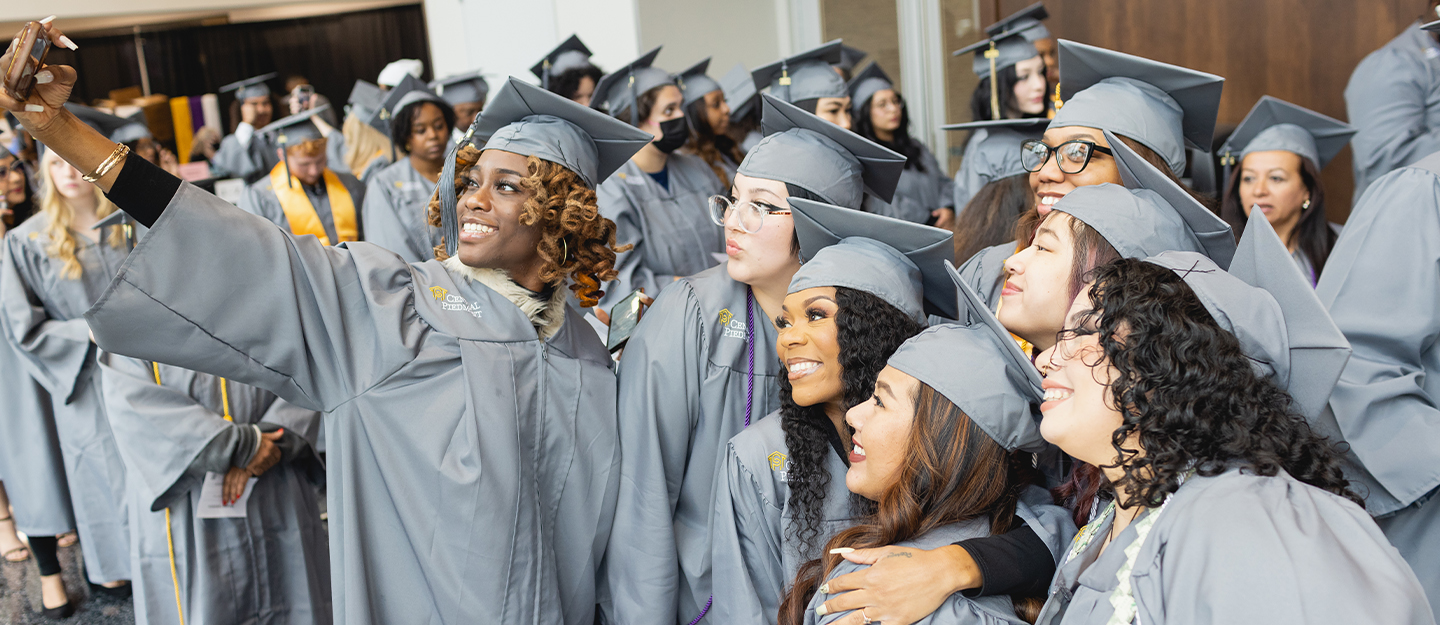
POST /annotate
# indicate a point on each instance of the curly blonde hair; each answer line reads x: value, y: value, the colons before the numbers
x: 60, y: 215
x: 575, y: 241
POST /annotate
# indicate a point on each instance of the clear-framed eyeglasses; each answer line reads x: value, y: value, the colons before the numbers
x: 1072, y: 156
x: 751, y: 214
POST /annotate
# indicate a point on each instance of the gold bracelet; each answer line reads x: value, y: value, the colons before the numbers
x: 121, y: 151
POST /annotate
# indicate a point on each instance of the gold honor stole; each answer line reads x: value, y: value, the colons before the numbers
x: 301, y: 213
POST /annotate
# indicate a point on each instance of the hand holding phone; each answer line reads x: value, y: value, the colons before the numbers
x: 623, y: 318
x: 23, y: 72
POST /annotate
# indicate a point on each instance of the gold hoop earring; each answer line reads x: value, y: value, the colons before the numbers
x: 566, y: 257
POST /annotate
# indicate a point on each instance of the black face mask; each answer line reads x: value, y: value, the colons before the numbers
x: 674, y: 133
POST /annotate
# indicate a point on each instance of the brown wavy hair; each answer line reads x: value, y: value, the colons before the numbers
x: 953, y: 471
x: 575, y: 241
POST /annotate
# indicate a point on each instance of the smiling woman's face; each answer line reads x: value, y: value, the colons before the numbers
x: 1079, y: 409
x: 1036, y: 295
x: 490, y: 207
x: 809, y: 346
x: 882, y: 432
x: 1050, y: 184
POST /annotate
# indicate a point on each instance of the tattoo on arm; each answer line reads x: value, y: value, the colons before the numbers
x: 901, y: 554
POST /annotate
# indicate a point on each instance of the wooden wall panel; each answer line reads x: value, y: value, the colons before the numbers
x: 1302, y: 51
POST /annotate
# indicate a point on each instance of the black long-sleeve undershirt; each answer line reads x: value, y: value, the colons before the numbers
x: 1015, y: 563
x: 143, y: 190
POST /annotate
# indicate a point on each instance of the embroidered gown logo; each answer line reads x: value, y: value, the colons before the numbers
x: 733, y: 326
x: 454, y: 302
x: 780, y: 463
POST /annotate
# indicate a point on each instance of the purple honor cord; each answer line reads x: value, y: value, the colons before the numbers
x: 750, y: 351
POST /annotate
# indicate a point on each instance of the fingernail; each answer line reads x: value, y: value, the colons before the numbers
x: 842, y: 550
x: 65, y: 41
x: 44, y: 77
x: 825, y: 588
x: 34, y: 108
x: 48, y: 20
x: 821, y: 611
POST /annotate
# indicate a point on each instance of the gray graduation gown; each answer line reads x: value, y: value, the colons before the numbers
x: 1240, y: 548
x: 478, y: 465
x: 968, y: 180
x: 670, y: 229
x: 396, y: 198
x: 271, y: 566
x: 683, y: 386
x: 755, y: 555
x: 1380, y: 287
x: 233, y: 160
x: 31, y: 464
x: 1393, y: 99
x: 42, y: 319
x: 918, y: 192
x: 958, y: 609
x: 260, y: 199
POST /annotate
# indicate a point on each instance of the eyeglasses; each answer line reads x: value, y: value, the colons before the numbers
x: 1073, y: 155
x: 752, y: 215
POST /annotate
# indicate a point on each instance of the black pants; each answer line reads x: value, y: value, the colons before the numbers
x: 44, y: 549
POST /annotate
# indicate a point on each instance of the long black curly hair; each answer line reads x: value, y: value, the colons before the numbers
x: 868, y: 330
x: 1184, y: 385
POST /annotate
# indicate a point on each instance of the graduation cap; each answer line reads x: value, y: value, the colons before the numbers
x: 850, y: 56
x: 124, y: 221
x: 974, y: 311
x: 408, y: 91
x: 462, y: 88
x: 134, y: 129
x: 899, y: 261
x: 570, y: 54
x: 1009, y: 48
x: 1164, y: 107
x: 1274, y: 124
x: 820, y: 157
x: 250, y: 87
x: 1217, y: 240
x: 694, y: 84
x: 995, y: 54
x: 530, y: 121
x: 865, y: 85
x: 1026, y: 21
x: 621, y: 89
x: 969, y: 365
x: 997, y: 155
x: 739, y: 91
x: 365, y: 99
x: 291, y: 131
x: 396, y: 71
x: 1271, y: 308
x: 805, y: 76
x: 1138, y: 223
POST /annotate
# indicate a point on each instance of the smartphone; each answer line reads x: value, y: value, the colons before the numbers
x: 30, y: 48
x: 623, y: 318
x: 303, y: 93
